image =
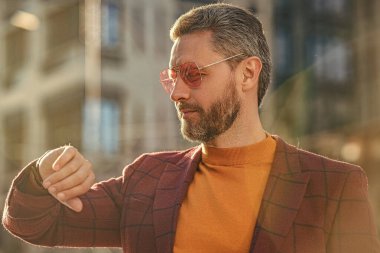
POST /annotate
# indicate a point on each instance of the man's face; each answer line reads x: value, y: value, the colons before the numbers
x: 209, y: 110
x: 212, y: 122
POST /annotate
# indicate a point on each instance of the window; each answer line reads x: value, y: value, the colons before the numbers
x: 284, y: 55
x: 109, y: 126
x: 282, y: 4
x: 111, y: 25
x: 331, y: 59
x: 101, y: 126
x: 332, y: 7
x: 285, y: 35
x: 15, y: 56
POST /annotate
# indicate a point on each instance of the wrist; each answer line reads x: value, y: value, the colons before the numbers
x: 35, y: 173
x: 32, y: 182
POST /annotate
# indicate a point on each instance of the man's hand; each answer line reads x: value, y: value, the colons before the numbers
x: 66, y: 175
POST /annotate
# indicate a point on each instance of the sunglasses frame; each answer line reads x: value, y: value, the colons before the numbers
x: 168, y: 83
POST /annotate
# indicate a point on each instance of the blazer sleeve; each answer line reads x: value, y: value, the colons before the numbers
x: 354, y: 228
x: 42, y: 220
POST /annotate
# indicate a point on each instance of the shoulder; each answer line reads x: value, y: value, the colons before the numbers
x: 333, y: 178
x: 163, y: 159
x: 174, y: 157
x: 310, y: 160
x: 307, y: 161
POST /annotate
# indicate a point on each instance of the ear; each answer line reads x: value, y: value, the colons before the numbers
x: 251, y: 68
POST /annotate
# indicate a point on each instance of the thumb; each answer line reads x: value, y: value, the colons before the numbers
x: 74, y: 204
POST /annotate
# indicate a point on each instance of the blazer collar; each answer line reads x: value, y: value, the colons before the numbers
x: 170, y: 193
x: 282, y: 199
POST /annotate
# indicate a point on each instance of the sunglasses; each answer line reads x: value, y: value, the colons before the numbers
x: 189, y: 72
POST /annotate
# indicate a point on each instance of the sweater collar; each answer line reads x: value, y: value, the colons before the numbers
x: 260, y: 152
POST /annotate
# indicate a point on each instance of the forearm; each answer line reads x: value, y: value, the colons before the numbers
x: 26, y: 214
x: 32, y: 214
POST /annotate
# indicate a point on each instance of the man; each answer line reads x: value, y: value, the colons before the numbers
x: 241, y: 190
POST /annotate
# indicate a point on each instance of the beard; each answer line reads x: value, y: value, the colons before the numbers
x: 213, y: 122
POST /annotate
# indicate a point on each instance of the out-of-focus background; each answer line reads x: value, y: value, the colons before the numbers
x: 86, y: 73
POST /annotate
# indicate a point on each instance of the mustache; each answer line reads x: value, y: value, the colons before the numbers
x: 187, y: 106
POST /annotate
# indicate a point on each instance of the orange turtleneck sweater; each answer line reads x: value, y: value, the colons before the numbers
x: 220, y: 210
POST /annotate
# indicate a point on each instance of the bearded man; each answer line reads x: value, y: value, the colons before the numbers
x: 241, y: 190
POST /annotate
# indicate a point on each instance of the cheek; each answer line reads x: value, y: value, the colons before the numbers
x: 213, y: 88
x: 203, y: 98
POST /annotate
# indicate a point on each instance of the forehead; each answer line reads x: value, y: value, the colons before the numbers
x: 195, y: 47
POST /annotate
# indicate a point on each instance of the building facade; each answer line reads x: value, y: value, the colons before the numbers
x: 85, y: 73
x: 85, y: 67
x: 326, y: 81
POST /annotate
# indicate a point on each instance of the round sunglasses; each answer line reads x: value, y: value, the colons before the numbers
x: 189, y: 72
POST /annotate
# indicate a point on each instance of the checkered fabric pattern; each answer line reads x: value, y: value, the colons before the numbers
x: 311, y: 204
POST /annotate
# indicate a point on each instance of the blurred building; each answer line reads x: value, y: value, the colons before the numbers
x: 85, y: 73
x: 326, y: 87
x: 82, y: 74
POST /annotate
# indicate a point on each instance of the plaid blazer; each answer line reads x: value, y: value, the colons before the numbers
x: 311, y: 204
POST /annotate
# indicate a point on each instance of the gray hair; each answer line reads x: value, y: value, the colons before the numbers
x: 234, y: 30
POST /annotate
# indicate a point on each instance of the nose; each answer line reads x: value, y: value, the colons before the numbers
x: 180, y: 90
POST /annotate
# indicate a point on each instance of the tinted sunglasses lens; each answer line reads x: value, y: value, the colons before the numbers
x: 167, y: 79
x: 190, y: 74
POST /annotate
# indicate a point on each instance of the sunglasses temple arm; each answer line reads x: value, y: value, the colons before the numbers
x: 222, y: 60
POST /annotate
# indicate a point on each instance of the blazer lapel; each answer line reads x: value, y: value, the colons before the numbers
x: 171, y: 190
x: 281, y: 201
